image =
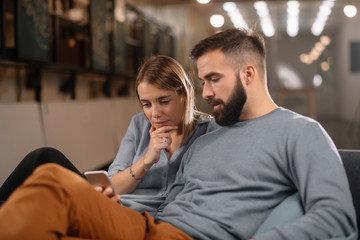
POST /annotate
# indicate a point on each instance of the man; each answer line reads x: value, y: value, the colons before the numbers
x: 229, y: 180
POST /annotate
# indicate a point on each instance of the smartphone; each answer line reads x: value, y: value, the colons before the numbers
x: 99, y: 178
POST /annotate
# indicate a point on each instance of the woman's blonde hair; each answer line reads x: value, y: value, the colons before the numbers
x: 166, y: 73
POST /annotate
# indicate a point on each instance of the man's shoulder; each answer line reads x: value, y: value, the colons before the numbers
x: 288, y: 116
x: 295, y: 124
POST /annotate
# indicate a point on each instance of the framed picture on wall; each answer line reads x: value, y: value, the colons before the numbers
x: 33, y: 36
x: 100, y: 58
x: 120, y: 63
x: 355, y: 56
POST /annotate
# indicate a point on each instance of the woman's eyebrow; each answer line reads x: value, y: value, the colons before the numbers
x: 163, y: 97
x: 158, y: 99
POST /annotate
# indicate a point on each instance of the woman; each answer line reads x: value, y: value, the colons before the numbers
x: 151, y: 150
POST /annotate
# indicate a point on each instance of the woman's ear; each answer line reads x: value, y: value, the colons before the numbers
x: 185, y: 99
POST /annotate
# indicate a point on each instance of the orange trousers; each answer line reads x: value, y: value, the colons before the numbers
x: 55, y: 203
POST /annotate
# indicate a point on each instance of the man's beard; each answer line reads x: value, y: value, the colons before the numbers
x: 231, y: 111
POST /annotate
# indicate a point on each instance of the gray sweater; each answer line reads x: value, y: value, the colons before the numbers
x: 231, y: 179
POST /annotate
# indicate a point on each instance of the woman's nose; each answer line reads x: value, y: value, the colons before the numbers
x: 156, y: 111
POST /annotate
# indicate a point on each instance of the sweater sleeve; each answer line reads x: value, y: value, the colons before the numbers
x: 126, y: 152
x: 316, y: 170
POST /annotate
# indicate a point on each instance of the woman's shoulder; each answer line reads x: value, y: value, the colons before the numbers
x: 140, y: 121
x: 139, y: 117
x: 208, y: 120
x: 203, y: 118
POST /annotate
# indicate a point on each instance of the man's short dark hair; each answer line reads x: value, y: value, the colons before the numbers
x: 235, y: 43
x: 231, y: 40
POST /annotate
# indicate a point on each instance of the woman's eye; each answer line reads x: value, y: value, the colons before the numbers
x: 145, y: 105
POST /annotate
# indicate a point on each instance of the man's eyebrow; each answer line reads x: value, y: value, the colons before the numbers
x: 212, y: 74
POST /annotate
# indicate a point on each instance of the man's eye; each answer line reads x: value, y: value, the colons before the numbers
x: 214, y: 79
x: 164, y: 102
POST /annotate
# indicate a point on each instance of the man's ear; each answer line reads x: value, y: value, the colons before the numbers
x: 248, y: 74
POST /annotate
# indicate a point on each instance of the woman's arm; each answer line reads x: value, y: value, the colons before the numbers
x: 127, y: 180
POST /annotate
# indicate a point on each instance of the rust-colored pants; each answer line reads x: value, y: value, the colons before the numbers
x: 55, y: 203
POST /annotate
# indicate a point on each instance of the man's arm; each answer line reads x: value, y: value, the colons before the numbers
x: 317, y: 172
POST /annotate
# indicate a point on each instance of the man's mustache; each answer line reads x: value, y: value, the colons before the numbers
x: 215, y: 101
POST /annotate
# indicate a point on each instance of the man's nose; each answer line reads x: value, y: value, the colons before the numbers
x: 207, y: 91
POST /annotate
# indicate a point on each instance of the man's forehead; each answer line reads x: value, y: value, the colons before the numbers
x: 211, y: 62
x: 210, y: 55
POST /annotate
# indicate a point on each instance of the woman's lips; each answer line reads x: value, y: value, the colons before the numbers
x: 160, y: 124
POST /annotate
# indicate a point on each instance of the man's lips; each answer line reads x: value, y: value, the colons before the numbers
x: 215, y: 104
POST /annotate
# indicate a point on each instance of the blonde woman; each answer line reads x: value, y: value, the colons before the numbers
x: 151, y: 151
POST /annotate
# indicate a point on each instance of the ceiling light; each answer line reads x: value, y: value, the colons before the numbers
x: 203, y: 1
x: 316, y: 51
x: 217, y: 20
x: 314, y: 55
x: 325, y: 66
x: 322, y: 16
x: 319, y: 47
x: 229, y: 6
x: 305, y: 58
x: 317, y: 80
x: 292, y: 23
x: 262, y: 11
x: 325, y: 40
x: 235, y: 16
x: 350, y: 11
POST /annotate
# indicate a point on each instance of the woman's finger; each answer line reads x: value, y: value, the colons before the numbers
x: 99, y: 189
x: 108, y: 192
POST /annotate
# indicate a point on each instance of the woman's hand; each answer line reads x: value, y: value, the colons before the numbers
x: 157, y: 142
x: 124, y: 182
x: 108, y: 192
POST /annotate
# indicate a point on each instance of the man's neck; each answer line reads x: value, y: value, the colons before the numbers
x: 257, y: 110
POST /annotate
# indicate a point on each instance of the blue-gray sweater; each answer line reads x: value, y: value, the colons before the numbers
x: 231, y: 179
